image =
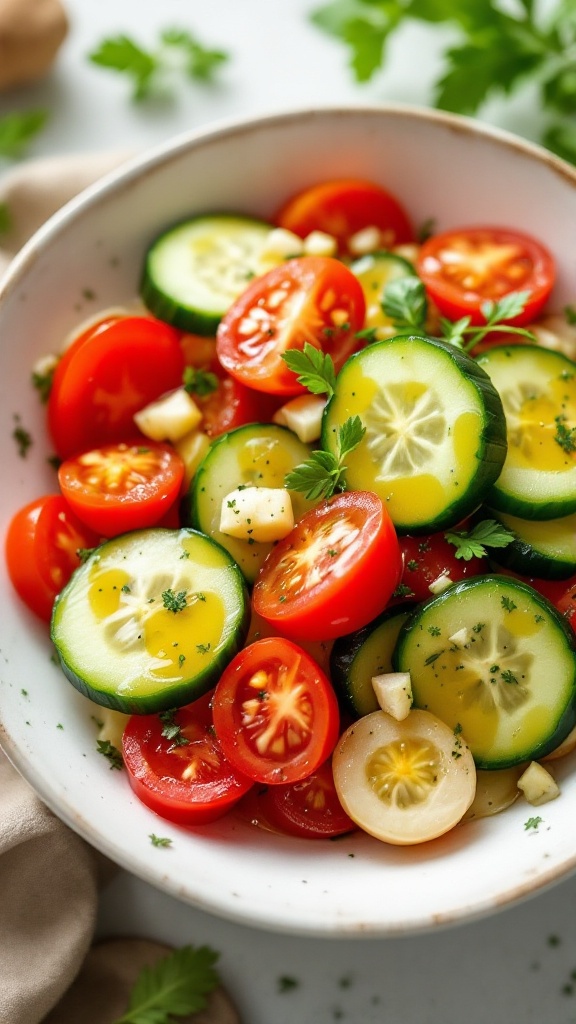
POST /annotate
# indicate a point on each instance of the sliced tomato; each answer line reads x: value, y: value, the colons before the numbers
x: 275, y: 712
x: 562, y: 594
x: 334, y: 572
x: 232, y: 405
x: 430, y: 558
x: 342, y: 208
x: 187, y: 778
x: 44, y: 545
x: 309, y: 808
x: 466, y: 267
x: 313, y: 299
x: 106, y: 376
x: 121, y: 487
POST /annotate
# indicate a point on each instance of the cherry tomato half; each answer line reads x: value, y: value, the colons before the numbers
x: 426, y: 559
x: 275, y: 712
x: 309, y: 808
x: 121, y: 487
x: 188, y: 781
x: 43, y: 542
x: 106, y: 376
x: 334, y: 572
x: 464, y: 268
x: 344, y: 207
x: 313, y: 299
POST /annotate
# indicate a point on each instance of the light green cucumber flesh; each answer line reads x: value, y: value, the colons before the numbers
x: 194, y: 271
x: 150, y: 620
x: 435, y: 433
x: 541, y: 548
x: 254, y: 455
x: 538, y: 391
x: 496, y: 662
x: 374, y: 272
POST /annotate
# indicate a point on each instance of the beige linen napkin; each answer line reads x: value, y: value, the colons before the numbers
x: 49, y: 877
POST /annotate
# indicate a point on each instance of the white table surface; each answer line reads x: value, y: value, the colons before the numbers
x: 516, y: 967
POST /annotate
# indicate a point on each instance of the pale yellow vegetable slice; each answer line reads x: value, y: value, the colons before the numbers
x: 495, y: 791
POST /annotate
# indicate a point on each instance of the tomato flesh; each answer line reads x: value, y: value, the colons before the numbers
x: 43, y: 542
x: 312, y: 299
x: 344, y: 207
x: 428, y: 558
x: 275, y: 712
x: 464, y: 268
x: 309, y: 808
x: 334, y: 572
x: 121, y: 487
x: 186, y: 779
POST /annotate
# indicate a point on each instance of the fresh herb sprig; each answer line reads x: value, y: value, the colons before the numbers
x: 404, y: 301
x: 178, y: 52
x: 498, y: 51
x: 473, y: 543
x: 314, y: 369
x: 176, y: 986
x: 17, y: 130
x: 322, y: 474
x: 199, y: 382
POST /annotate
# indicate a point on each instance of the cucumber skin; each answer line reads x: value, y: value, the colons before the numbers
x: 189, y: 690
x: 492, y: 440
x: 521, y: 557
x: 567, y: 720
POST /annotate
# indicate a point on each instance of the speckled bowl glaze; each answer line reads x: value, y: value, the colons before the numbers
x: 89, y: 256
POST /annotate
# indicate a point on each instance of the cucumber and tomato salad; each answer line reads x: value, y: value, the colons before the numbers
x: 151, y: 608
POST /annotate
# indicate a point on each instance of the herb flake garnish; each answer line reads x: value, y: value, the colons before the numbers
x: 199, y: 382
x: 322, y: 474
x: 171, y: 729
x: 176, y: 986
x: 473, y: 543
x: 314, y: 369
x: 111, y: 752
x: 161, y: 841
x: 174, y: 601
x: 532, y: 823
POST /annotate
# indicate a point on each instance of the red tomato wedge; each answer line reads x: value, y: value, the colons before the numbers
x: 275, y: 712
x: 344, y: 207
x: 309, y: 808
x: 334, y: 572
x: 428, y: 558
x: 466, y: 267
x: 313, y: 299
x: 186, y: 778
x: 43, y: 542
x: 106, y: 376
x: 121, y: 487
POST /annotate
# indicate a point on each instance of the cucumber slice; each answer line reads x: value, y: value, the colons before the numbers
x: 150, y: 620
x: 359, y: 656
x: 542, y: 548
x: 194, y: 271
x: 538, y: 391
x: 435, y: 436
x: 375, y: 271
x: 508, y: 684
x: 259, y: 454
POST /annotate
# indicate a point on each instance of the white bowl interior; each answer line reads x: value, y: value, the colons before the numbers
x: 89, y: 257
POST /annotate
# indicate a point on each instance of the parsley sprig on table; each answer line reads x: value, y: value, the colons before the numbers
x: 497, y: 49
x: 178, y: 52
x: 404, y: 301
x: 176, y: 986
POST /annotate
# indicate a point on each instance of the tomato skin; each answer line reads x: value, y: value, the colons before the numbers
x: 428, y: 557
x: 334, y: 572
x: 343, y: 207
x: 309, y: 808
x: 275, y: 712
x: 561, y: 593
x: 106, y: 376
x: 155, y: 768
x: 121, y: 487
x: 42, y: 542
x: 313, y: 299
x: 231, y: 405
x: 450, y: 264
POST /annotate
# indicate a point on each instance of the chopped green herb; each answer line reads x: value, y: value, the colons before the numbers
x: 434, y: 630
x: 159, y: 840
x: 84, y: 553
x: 508, y: 676
x: 22, y: 437
x: 108, y: 750
x: 171, y: 729
x: 174, y: 602
x: 287, y: 984
x: 565, y: 436
x: 314, y: 369
x: 43, y: 383
x: 403, y: 590
x: 473, y: 543
x: 532, y: 823
x: 199, y: 382
x: 202, y: 648
x: 176, y: 986
x: 507, y: 603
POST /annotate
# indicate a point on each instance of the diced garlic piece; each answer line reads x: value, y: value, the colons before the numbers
x: 319, y: 243
x: 408, y: 251
x: 366, y: 240
x: 111, y: 726
x: 45, y: 365
x: 192, y: 448
x: 538, y: 785
x: 257, y: 513
x: 461, y: 637
x: 394, y: 693
x: 170, y: 417
x: 282, y: 243
x: 303, y: 415
x: 440, y: 584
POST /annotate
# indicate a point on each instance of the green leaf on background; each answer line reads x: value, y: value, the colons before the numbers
x: 18, y: 129
x: 5, y: 219
x: 479, y: 69
x: 561, y: 139
x: 174, y: 987
x: 124, y: 55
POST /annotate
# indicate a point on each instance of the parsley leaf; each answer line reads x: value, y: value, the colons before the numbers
x: 149, y: 70
x: 171, y: 729
x: 321, y: 475
x: 174, y: 602
x: 532, y: 823
x: 174, y: 987
x: 114, y: 756
x: 473, y: 543
x: 199, y: 382
x: 17, y: 130
x: 565, y: 436
x: 314, y: 369
x: 404, y: 301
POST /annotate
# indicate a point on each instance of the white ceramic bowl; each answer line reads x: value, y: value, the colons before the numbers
x: 451, y: 169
